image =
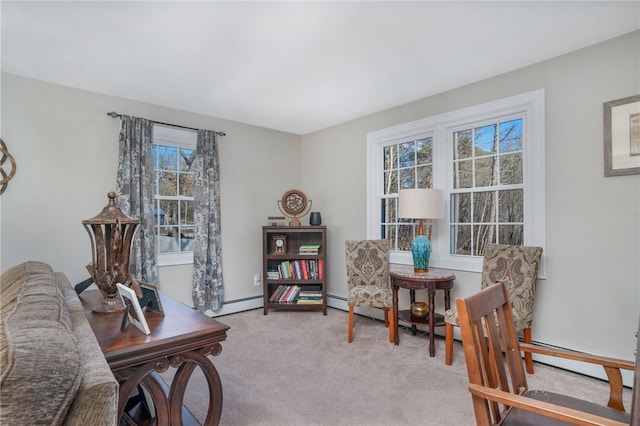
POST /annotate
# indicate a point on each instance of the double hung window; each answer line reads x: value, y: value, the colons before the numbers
x: 488, y: 160
x: 486, y: 197
x: 406, y: 165
x: 173, y: 155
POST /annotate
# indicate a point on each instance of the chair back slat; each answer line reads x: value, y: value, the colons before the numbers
x: 491, y: 348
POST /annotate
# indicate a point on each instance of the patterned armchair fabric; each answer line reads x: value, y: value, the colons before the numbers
x: 517, y: 267
x: 368, y: 273
x: 368, y: 280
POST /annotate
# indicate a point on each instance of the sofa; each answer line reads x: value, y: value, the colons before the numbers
x: 52, y: 370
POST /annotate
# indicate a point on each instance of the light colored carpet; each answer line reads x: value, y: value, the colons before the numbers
x: 296, y: 368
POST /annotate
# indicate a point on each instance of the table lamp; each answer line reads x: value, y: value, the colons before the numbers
x: 420, y: 204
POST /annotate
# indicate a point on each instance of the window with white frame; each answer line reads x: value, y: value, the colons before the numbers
x: 489, y: 161
x: 174, y: 151
x: 407, y: 164
x: 486, y: 199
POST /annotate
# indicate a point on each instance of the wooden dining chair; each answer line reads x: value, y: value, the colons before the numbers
x: 497, y: 380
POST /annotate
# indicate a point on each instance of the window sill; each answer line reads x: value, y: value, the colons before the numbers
x: 455, y: 263
x: 172, y: 259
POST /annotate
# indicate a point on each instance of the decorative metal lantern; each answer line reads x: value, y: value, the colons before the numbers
x: 111, y: 233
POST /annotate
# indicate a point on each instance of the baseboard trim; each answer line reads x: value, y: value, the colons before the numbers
x: 236, y: 306
x: 340, y: 303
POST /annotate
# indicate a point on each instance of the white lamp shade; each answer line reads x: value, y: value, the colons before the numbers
x: 423, y: 203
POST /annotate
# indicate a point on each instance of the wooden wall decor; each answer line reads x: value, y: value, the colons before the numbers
x: 6, y: 177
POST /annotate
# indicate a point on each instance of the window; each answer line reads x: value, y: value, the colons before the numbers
x: 486, y: 200
x: 488, y: 160
x: 173, y: 155
x: 405, y: 165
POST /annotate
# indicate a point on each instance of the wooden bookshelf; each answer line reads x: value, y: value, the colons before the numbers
x: 294, y: 272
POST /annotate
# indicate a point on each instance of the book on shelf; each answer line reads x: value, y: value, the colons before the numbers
x: 311, y: 293
x: 275, y: 294
x: 278, y: 293
x: 297, y: 270
x: 309, y: 249
x: 301, y: 269
x: 309, y: 301
x: 310, y: 296
x: 313, y: 287
x: 285, y: 294
x: 285, y: 270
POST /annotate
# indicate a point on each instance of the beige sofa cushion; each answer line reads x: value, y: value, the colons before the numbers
x: 96, y: 402
x: 40, y: 369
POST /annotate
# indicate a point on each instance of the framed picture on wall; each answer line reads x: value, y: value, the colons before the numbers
x: 622, y: 136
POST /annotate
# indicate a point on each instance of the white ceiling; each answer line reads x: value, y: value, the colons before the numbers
x: 293, y: 66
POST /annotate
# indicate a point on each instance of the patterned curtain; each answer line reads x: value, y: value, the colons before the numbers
x: 135, y: 193
x: 207, y: 263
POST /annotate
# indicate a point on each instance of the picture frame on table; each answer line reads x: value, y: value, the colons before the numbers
x: 622, y: 136
x: 133, y: 312
x: 150, y: 298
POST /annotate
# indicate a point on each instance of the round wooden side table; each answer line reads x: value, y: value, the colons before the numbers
x: 432, y: 280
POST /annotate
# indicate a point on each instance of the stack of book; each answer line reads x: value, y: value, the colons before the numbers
x: 309, y: 249
x: 273, y: 274
x: 309, y: 297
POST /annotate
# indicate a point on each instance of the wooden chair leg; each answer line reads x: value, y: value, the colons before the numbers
x: 350, y: 333
x: 392, y: 326
x: 386, y: 316
x: 528, y: 356
x: 448, y: 344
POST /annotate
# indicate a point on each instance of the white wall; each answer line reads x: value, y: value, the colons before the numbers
x: 66, y: 150
x: 591, y: 298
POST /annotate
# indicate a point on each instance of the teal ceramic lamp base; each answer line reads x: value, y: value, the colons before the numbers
x: 421, y: 250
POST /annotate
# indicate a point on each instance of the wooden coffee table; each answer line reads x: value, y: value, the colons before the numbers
x: 182, y: 338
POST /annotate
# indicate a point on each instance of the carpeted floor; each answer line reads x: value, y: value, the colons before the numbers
x: 296, y: 368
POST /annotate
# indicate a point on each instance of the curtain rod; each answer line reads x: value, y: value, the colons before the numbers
x: 114, y: 114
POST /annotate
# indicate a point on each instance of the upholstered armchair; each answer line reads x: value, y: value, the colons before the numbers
x: 517, y: 267
x: 368, y: 284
